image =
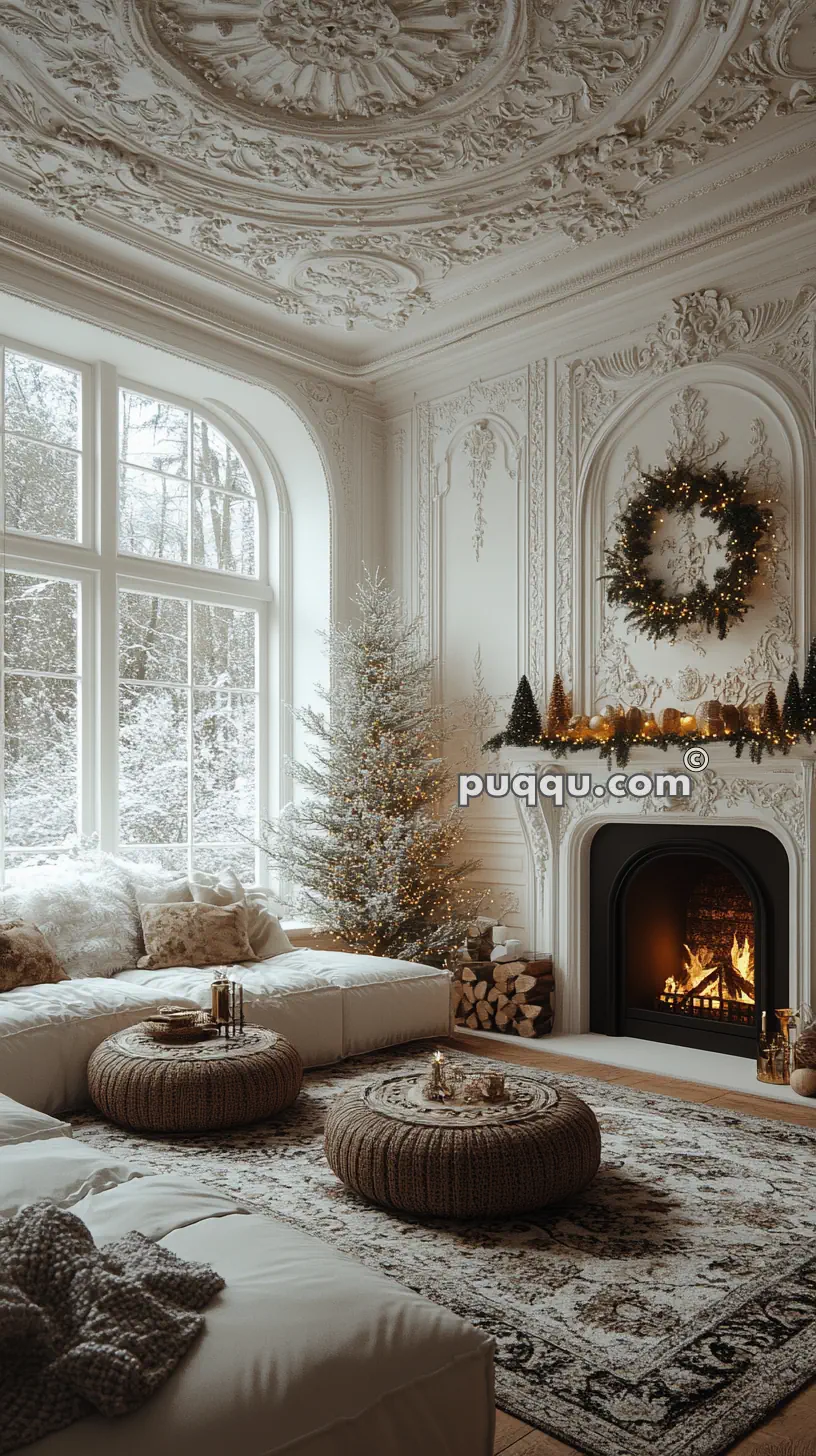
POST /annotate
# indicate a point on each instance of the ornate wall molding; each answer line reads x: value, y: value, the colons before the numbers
x: 479, y: 444
x: 702, y: 327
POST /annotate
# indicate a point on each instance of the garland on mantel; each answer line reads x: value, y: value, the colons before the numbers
x: 761, y: 729
x: 742, y: 522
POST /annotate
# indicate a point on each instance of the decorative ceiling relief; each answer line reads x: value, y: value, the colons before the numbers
x: 333, y: 59
x: 340, y: 159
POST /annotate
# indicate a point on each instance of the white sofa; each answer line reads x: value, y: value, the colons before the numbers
x: 304, y: 1352
x: 328, y: 1003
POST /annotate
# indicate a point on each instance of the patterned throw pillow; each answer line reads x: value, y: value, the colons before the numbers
x: 26, y: 958
x: 266, y: 935
x: 195, y: 935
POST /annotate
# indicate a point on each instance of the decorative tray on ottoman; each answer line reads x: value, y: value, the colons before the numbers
x: 180, y: 1024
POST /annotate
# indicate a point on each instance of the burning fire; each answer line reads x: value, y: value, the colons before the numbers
x: 703, y: 976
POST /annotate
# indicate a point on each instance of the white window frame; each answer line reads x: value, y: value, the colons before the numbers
x: 100, y: 569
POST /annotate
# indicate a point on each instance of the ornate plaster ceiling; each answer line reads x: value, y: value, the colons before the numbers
x: 347, y: 162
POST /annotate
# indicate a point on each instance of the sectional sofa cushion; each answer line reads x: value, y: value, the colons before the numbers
x: 47, y: 1034
x: 19, y: 1124
x: 329, y: 1004
x: 62, y: 1170
x: 304, y: 1352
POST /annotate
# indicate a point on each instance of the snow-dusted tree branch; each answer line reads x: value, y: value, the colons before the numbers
x: 370, y: 845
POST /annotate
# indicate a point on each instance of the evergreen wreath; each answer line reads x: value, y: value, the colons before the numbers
x: 743, y: 523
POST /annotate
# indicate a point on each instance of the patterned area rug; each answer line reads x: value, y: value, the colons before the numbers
x: 664, y: 1312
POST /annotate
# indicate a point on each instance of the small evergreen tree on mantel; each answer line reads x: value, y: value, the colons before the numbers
x: 370, y: 856
x: 524, y: 724
x: 809, y: 693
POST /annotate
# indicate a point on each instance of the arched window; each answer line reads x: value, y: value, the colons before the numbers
x: 135, y: 619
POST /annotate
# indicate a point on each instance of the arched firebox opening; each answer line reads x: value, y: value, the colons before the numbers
x: 688, y: 934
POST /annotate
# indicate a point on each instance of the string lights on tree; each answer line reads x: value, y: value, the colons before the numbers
x: 368, y: 846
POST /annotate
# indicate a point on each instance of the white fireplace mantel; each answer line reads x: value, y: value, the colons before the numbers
x: 775, y: 795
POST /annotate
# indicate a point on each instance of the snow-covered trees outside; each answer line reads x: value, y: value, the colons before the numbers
x: 188, y: 678
x: 41, y: 447
x: 187, y: 739
x: 184, y: 494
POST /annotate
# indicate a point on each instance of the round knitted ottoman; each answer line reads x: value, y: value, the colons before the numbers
x: 387, y: 1142
x: 197, y: 1087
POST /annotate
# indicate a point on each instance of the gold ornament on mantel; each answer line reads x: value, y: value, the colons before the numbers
x: 688, y: 723
x: 578, y: 728
x: 730, y: 719
x: 601, y: 727
x: 710, y: 720
x: 649, y: 728
x: 670, y: 720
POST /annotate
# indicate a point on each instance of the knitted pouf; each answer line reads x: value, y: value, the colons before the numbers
x: 197, y: 1087
x: 388, y: 1143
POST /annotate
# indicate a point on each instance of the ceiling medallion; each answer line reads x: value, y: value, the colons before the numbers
x: 341, y: 160
x: 334, y: 60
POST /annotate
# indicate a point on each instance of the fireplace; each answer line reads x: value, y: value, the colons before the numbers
x: 688, y: 933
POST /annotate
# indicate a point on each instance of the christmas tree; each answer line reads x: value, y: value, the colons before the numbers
x: 809, y: 693
x: 369, y: 856
x: 793, y: 713
x: 558, y: 709
x: 771, y: 716
x: 524, y: 724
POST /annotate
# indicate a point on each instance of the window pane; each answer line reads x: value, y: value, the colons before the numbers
x: 41, y: 489
x: 223, y: 532
x: 153, y: 513
x: 223, y: 765
x: 153, y: 765
x: 41, y: 619
x: 42, y: 400
x: 215, y: 463
x: 223, y: 646
x: 41, y: 760
x: 239, y: 857
x: 154, y: 434
x: 152, y: 638
x: 170, y: 857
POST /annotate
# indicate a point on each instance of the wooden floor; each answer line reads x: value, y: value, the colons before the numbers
x: 795, y: 1420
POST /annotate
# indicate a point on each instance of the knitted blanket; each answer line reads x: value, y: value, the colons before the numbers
x: 83, y: 1329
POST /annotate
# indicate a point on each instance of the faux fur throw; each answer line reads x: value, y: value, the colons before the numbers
x: 83, y: 1329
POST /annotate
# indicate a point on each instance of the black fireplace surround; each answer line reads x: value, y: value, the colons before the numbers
x: 652, y: 889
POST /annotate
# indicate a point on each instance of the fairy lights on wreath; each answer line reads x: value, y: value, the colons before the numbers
x: 742, y: 523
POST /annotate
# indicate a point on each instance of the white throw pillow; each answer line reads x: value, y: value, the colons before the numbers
x: 84, y: 906
x: 264, y: 929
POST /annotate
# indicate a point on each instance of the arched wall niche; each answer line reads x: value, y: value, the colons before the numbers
x: 748, y: 415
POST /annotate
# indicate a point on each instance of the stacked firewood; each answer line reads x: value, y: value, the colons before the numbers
x: 510, y: 996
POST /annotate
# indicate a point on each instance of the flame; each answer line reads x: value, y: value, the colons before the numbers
x: 720, y: 985
x: 743, y: 962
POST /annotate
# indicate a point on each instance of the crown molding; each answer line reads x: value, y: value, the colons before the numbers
x: 38, y: 266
